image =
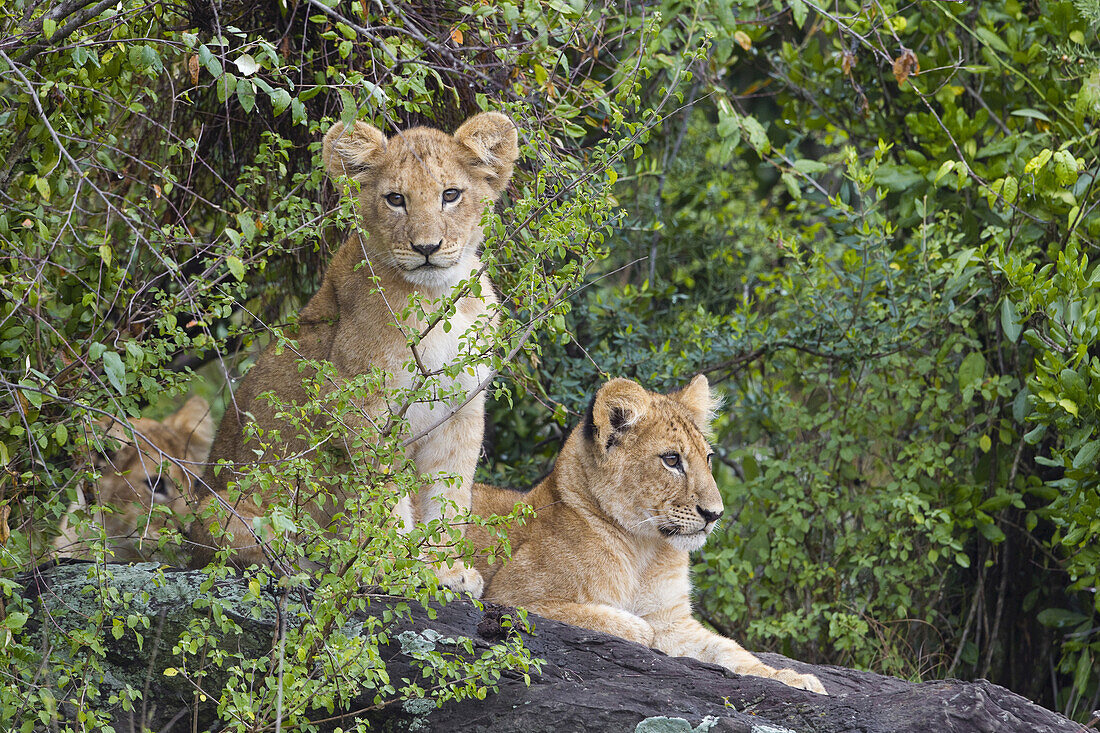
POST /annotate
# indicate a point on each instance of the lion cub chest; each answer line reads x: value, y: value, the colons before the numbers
x: 659, y: 579
x: 438, y: 351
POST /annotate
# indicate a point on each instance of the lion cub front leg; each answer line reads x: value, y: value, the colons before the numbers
x: 597, y: 616
x: 677, y: 633
x: 451, y: 450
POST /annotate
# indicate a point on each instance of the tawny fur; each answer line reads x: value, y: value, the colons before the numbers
x: 157, y: 464
x: 608, y: 546
x: 351, y: 320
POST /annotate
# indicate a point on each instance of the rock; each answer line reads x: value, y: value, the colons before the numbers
x: 590, y: 681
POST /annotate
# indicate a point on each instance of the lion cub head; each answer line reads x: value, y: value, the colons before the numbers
x: 649, y: 461
x: 153, y: 467
x: 422, y: 192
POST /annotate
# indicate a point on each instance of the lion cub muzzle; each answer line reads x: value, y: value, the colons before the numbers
x: 710, y: 517
x: 427, y: 249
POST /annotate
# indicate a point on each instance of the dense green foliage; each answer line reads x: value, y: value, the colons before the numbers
x: 872, y: 225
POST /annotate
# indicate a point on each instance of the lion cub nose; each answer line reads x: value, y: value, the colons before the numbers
x: 708, y: 515
x: 428, y: 249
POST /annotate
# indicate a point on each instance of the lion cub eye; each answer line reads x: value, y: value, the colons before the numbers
x: 672, y: 459
x: 157, y: 485
x: 451, y: 195
x: 395, y: 200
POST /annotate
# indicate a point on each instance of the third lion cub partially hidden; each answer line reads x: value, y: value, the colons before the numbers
x: 630, y: 495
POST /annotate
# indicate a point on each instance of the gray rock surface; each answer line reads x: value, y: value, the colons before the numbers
x: 590, y: 681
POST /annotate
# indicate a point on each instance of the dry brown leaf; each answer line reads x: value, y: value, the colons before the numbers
x: 193, y: 65
x: 5, y: 531
x: 456, y: 36
x: 743, y: 40
x: 905, y: 66
x: 847, y: 61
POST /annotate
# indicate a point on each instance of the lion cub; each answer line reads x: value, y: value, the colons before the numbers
x: 421, y: 197
x: 629, y: 497
x: 156, y: 466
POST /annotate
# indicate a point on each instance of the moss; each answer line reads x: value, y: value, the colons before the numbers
x: 137, y: 655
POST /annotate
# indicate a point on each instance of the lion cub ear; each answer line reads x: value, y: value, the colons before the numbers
x: 700, y: 402
x: 196, y: 424
x: 616, y: 408
x: 352, y: 151
x: 493, y: 140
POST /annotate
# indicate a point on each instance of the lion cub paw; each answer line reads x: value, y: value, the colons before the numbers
x: 461, y: 578
x: 801, y: 681
x: 631, y: 628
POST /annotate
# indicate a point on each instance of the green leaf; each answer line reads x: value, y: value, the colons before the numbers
x: 145, y: 58
x: 116, y: 371
x: 1074, y: 536
x: 280, y: 100
x: 1020, y: 405
x: 1068, y: 405
x: 1028, y: 112
x: 246, y: 65
x: 15, y: 620
x: 236, y: 267
x: 1038, y: 162
x: 247, y: 224
x: 946, y: 167
x: 43, y: 186
x: 1084, y: 664
x: 226, y: 85
x: 809, y: 167
x: 792, y: 185
x: 1059, y: 618
x: 898, y: 177
x: 991, y: 39
x: 758, y: 138
x: 246, y: 94
x: 750, y: 467
x: 985, y: 443
x: 997, y: 503
x: 991, y: 532
x: 210, y: 61
x: 972, y: 369
x: 347, y: 116
x: 798, y: 12
x: 1087, y: 455
x: 1010, y: 320
x: 1074, y: 384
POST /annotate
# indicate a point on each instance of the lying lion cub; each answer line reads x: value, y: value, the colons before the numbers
x: 630, y: 496
x: 155, y: 466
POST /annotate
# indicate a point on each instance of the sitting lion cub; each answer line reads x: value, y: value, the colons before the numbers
x: 629, y: 497
x: 421, y: 197
x: 156, y: 466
